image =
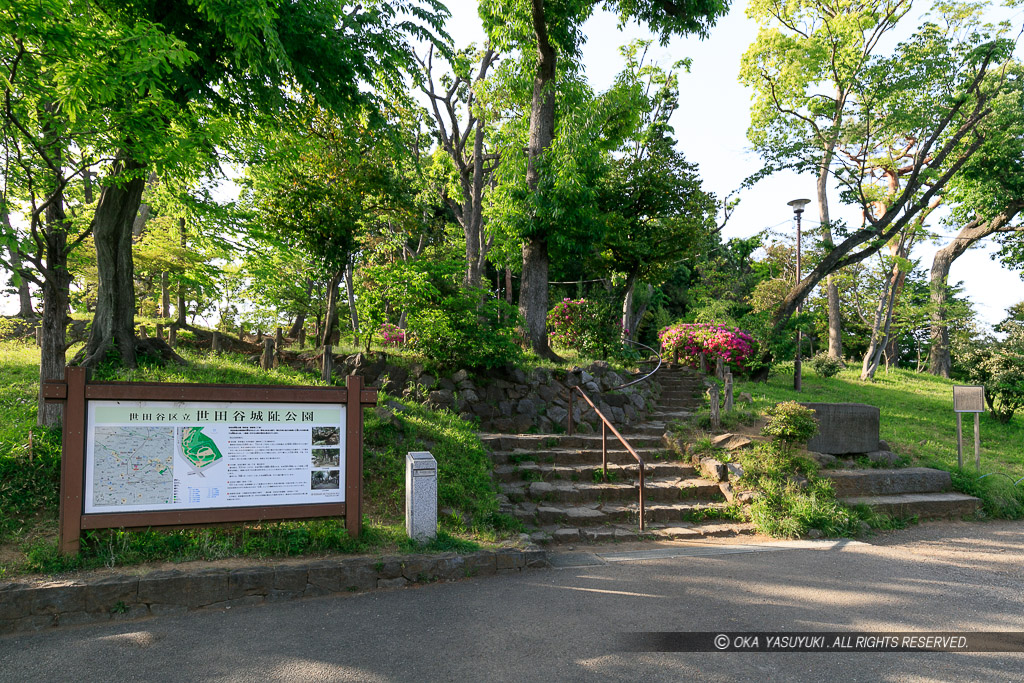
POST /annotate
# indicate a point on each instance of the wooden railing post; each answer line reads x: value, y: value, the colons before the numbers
x: 267, y: 362
x: 728, y: 392
x: 716, y: 418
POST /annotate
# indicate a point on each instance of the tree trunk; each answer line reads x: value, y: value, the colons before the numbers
x: 180, y: 304
x: 165, y: 295
x: 114, y: 321
x: 533, y: 294
x: 940, y: 361
x: 331, y: 323
x: 300, y: 318
x: 24, y: 293
x: 835, y: 323
x: 350, y: 288
x: 139, y: 224
x: 56, y: 286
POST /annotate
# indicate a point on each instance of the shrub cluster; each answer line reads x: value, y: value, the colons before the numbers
x: 585, y: 325
x: 790, y: 423
x: 825, y: 365
x: 392, y: 335
x: 734, y: 346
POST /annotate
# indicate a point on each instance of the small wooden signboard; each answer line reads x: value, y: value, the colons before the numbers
x: 146, y: 454
x: 968, y: 399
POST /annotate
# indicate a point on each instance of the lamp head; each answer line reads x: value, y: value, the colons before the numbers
x: 799, y: 204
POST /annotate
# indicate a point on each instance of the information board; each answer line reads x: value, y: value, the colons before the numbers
x: 162, y: 455
x: 968, y: 399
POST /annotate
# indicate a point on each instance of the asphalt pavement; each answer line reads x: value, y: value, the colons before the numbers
x: 567, y: 623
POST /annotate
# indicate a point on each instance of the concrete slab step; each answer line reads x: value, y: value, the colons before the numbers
x: 619, y: 533
x: 617, y: 455
x: 923, y: 505
x: 596, y: 514
x: 657, y: 490
x: 875, y: 482
x: 531, y: 471
x: 508, y: 442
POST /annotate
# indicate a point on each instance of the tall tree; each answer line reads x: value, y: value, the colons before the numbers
x: 460, y: 122
x: 553, y: 30
x: 245, y: 63
x: 928, y: 99
x: 806, y: 67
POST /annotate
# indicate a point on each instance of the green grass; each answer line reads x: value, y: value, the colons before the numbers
x: 918, y: 422
x: 29, y: 480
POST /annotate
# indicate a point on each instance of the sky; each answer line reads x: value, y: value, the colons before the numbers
x: 711, y: 125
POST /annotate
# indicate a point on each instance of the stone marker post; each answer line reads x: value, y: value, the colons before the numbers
x: 716, y: 418
x: 302, y: 338
x: 215, y: 342
x: 172, y: 335
x: 719, y: 369
x: 420, y: 495
x: 703, y: 363
x: 279, y: 338
x: 267, y: 361
x: 142, y: 332
x: 159, y: 331
x: 728, y: 392
x: 326, y: 366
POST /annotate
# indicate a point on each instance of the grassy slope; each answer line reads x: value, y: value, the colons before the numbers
x: 28, y: 487
x: 917, y: 420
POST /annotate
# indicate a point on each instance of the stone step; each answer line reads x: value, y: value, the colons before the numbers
x: 876, y: 482
x: 617, y: 455
x: 658, y: 490
x: 922, y: 505
x: 597, y: 514
x: 531, y: 471
x: 619, y: 533
x: 670, y: 414
x: 508, y: 442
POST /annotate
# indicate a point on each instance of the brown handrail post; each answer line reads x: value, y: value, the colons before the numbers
x: 604, y: 448
x: 354, y: 457
x: 642, y: 526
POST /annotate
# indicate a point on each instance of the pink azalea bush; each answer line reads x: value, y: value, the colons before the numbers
x: 393, y: 335
x: 734, y: 346
x: 584, y: 325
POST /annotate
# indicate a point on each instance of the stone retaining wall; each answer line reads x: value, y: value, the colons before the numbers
x: 27, y: 607
x: 512, y: 400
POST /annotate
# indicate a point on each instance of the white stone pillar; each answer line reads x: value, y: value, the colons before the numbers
x: 420, y: 495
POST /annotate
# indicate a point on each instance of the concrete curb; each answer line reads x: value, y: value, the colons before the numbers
x: 123, y: 597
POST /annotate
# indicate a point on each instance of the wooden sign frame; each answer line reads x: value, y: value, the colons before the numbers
x: 959, y: 398
x: 75, y: 391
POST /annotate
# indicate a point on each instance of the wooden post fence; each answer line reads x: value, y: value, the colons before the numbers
x: 728, y: 392
x: 716, y: 417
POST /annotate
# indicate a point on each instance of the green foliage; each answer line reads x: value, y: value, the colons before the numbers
x: 463, y: 332
x: 29, y: 455
x: 999, y: 366
x: 825, y: 365
x: 587, y: 326
x: 790, y: 423
x: 464, y: 468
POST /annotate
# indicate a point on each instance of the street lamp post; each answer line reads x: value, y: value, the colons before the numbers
x: 798, y: 209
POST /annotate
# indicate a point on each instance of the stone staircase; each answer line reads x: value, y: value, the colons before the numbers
x: 553, y: 483
x: 907, y: 492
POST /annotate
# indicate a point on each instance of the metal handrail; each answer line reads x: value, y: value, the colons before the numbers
x: 605, y: 426
x: 648, y: 375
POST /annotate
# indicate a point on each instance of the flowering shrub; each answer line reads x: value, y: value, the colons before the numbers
x: 393, y: 335
x: 584, y: 325
x: 734, y: 346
